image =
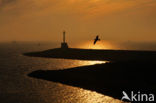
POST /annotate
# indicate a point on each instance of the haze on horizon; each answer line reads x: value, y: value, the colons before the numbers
x: 44, y: 20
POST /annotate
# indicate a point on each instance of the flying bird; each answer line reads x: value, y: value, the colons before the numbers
x: 96, y: 39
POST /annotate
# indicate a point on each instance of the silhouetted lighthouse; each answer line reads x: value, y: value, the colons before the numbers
x: 64, y: 38
x: 64, y: 45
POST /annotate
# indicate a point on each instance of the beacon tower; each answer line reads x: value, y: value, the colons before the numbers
x: 64, y: 45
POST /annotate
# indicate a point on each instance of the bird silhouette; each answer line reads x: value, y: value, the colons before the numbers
x: 96, y: 39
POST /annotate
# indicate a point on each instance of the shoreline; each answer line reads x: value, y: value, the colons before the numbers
x: 109, y: 79
x: 92, y: 54
x: 127, y: 70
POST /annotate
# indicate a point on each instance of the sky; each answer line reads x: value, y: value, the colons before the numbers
x: 45, y: 20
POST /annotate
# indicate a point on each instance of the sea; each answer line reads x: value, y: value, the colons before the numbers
x: 17, y: 87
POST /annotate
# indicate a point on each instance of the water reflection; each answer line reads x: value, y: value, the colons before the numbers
x: 82, y: 63
x: 17, y: 87
x: 55, y: 64
x: 61, y: 93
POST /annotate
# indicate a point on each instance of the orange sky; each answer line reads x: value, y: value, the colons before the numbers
x: 44, y: 20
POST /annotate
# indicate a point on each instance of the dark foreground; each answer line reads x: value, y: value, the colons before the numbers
x: 129, y: 71
x: 92, y: 54
x: 109, y: 79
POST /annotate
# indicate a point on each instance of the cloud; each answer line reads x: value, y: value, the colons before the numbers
x: 4, y: 3
x: 81, y: 8
x: 46, y: 17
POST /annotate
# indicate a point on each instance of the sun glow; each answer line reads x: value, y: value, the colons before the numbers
x: 99, y: 45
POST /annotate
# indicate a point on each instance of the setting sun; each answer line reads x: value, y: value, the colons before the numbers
x: 99, y: 45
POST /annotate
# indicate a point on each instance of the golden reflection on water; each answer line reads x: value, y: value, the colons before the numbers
x: 93, y: 97
x: 83, y: 63
x: 71, y: 94
x: 61, y: 93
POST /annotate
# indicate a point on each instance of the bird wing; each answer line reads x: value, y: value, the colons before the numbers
x: 95, y: 41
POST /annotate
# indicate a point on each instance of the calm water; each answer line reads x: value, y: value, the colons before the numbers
x: 17, y: 87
